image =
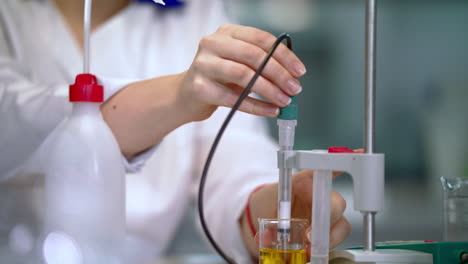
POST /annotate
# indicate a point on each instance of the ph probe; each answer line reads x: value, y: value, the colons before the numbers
x: 287, y: 121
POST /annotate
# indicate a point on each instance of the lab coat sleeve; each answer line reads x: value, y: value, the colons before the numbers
x: 30, y: 110
x: 245, y: 159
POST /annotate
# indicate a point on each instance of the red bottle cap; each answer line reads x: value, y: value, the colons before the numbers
x: 340, y: 150
x: 86, y: 89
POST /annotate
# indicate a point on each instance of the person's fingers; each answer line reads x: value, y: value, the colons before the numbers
x: 338, y: 206
x: 302, y: 198
x: 302, y: 182
x: 339, y: 232
x: 221, y: 95
x: 230, y: 72
x: 307, y: 234
x: 337, y: 173
x: 254, y: 106
x: 264, y: 40
x: 307, y: 241
x: 251, y: 56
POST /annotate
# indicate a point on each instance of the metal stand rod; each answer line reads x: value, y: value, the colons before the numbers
x: 369, y: 231
x: 370, y: 76
x: 369, y: 111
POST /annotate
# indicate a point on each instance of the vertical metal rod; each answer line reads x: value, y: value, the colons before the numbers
x: 369, y: 231
x: 369, y: 94
x: 369, y: 111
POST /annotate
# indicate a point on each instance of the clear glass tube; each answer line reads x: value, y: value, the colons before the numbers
x: 286, y: 131
x: 455, y: 209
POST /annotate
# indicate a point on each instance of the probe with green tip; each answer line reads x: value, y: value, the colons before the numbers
x: 287, y: 121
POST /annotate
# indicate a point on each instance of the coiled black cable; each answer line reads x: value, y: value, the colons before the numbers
x: 244, y: 94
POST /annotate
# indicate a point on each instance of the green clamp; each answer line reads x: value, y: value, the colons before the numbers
x: 289, y: 112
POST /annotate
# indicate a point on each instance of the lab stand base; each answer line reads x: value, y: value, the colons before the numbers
x: 380, y: 256
x: 405, y: 253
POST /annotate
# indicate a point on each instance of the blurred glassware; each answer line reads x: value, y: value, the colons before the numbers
x: 445, y: 130
x: 455, y: 208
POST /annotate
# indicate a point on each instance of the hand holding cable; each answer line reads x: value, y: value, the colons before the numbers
x: 144, y: 112
x: 225, y: 63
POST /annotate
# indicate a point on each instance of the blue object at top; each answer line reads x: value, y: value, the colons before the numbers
x: 169, y: 3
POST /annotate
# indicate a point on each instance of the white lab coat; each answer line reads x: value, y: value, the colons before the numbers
x: 39, y: 59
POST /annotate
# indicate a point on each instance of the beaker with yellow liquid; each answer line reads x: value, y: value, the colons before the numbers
x: 283, y: 241
x: 278, y: 256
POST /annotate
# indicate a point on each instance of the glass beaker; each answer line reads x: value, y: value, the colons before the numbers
x: 455, y: 209
x: 280, y: 245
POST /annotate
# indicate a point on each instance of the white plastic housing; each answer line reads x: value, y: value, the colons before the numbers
x: 380, y: 256
x: 367, y: 171
x: 286, y: 132
x: 321, y: 206
x: 84, y: 192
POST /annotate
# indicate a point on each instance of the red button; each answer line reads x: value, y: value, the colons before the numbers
x: 340, y: 150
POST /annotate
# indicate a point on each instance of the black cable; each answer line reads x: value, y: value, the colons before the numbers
x: 244, y: 94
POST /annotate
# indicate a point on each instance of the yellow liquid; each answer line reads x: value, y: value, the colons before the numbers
x: 275, y: 256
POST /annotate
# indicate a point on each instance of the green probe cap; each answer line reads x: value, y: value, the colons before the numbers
x: 289, y: 112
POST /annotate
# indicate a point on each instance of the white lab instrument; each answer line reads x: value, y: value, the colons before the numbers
x: 387, y: 256
x: 367, y: 171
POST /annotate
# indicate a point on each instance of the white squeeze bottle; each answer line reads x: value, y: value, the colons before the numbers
x: 84, y: 185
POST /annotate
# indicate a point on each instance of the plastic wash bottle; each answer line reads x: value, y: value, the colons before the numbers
x: 84, y: 185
